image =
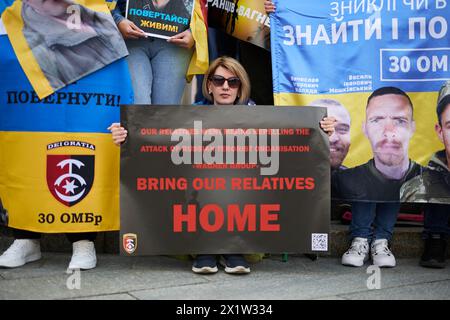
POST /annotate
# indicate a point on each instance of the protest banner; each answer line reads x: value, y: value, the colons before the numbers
x: 224, y: 180
x: 160, y: 21
x: 336, y: 53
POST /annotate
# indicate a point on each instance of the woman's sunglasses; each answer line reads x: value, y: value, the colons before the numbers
x: 218, y: 81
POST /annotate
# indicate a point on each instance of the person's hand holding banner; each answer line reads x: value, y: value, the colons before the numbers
x: 184, y: 39
x: 130, y: 31
x: 223, y: 179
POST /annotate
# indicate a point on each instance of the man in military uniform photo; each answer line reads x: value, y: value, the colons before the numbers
x: 433, y: 187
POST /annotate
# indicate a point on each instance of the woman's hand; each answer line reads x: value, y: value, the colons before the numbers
x: 328, y: 124
x: 183, y: 39
x: 269, y: 6
x: 119, y: 134
x: 129, y: 30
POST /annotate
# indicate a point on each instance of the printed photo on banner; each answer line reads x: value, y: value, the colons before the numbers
x: 389, y: 126
x: 243, y: 19
x: 340, y: 139
x: 161, y: 18
x: 213, y: 176
x: 433, y: 184
x: 59, y: 42
x: 389, y: 121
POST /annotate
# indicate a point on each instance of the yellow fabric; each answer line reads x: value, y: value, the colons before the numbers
x: 200, y: 60
x: 26, y: 195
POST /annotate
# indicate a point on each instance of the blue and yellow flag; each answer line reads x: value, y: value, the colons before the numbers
x: 59, y: 169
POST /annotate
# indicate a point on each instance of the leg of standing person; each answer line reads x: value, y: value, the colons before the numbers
x: 140, y: 69
x: 436, y: 219
x: 169, y: 65
x: 385, y: 218
x: 363, y: 215
x: 435, y: 235
x: 25, y: 248
x: 83, y: 250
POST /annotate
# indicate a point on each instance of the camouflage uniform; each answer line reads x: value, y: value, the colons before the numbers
x: 433, y: 185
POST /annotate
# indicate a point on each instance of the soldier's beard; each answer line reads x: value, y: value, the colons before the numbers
x: 389, y: 152
x: 389, y: 159
x: 338, y: 152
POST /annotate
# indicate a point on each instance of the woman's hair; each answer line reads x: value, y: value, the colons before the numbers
x: 234, y: 67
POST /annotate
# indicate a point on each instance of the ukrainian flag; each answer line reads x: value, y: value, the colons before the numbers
x: 59, y: 169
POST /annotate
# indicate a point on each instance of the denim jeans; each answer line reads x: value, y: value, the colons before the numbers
x: 373, y: 220
x: 158, y: 70
x: 436, y: 219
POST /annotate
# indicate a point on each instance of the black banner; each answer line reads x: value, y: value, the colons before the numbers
x: 235, y: 179
x: 160, y: 21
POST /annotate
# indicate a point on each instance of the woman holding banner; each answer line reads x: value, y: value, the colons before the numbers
x: 155, y: 62
x: 226, y: 83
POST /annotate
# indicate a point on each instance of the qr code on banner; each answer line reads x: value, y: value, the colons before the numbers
x: 319, y: 242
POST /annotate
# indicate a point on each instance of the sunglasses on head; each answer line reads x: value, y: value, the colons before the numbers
x: 218, y: 81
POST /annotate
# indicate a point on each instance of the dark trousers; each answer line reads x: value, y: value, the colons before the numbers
x: 436, y: 219
x: 373, y: 220
x: 72, y: 237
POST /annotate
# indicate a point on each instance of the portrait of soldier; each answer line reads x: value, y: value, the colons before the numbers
x: 389, y: 126
x: 340, y: 139
x: 433, y: 185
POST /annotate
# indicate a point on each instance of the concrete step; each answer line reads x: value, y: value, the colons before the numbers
x: 406, y: 243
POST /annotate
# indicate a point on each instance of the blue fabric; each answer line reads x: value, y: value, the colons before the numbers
x: 305, y: 44
x: 373, y: 221
x: 4, y: 4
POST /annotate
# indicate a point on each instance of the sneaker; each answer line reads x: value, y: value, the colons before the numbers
x: 205, y: 263
x: 434, y: 252
x: 235, y: 264
x: 357, y: 254
x: 21, y: 252
x: 83, y: 256
x: 381, y: 255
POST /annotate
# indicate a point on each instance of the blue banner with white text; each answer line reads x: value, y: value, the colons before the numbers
x: 377, y: 66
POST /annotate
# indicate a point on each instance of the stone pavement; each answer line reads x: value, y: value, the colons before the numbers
x: 406, y: 243
x: 163, y: 278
